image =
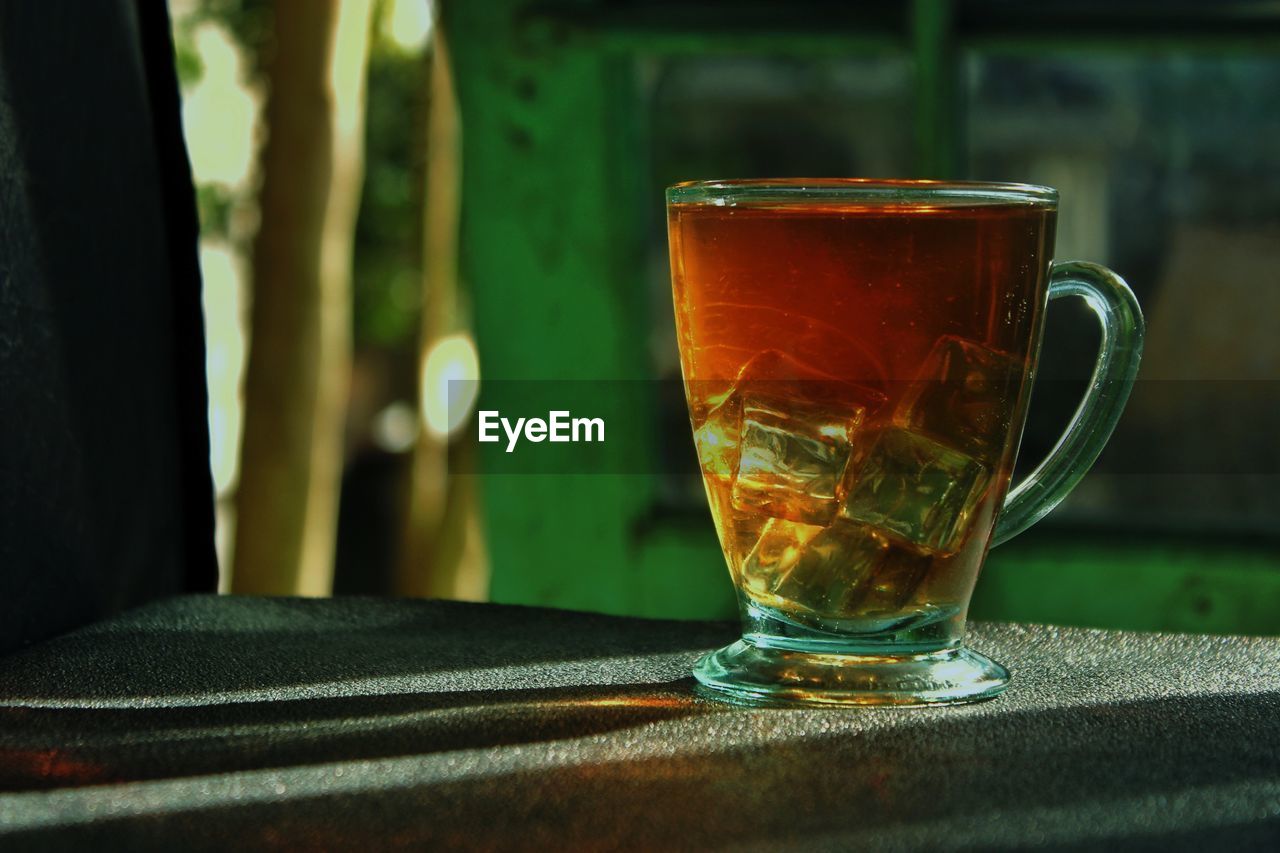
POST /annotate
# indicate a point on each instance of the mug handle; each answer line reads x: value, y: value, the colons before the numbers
x: 1122, y: 330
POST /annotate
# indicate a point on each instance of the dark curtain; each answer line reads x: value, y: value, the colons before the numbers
x: 106, y: 498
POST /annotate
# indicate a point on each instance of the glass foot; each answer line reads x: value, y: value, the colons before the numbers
x: 746, y: 673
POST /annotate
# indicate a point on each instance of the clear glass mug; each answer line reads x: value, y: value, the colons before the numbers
x: 858, y: 358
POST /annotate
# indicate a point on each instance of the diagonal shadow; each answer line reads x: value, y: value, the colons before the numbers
x: 989, y: 774
x: 207, y: 649
x: 49, y: 748
x: 204, y: 684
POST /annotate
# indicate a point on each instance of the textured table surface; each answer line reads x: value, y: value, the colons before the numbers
x: 210, y: 722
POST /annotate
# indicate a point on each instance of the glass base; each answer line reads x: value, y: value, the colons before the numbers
x: 757, y: 675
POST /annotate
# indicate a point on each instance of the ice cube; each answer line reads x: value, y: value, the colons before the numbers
x: 913, y: 489
x: 717, y: 440
x: 963, y: 397
x: 850, y: 570
x: 777, y: 378
x: 792, y: 454
x: 776, y: 550
x: 894, y: 581
x: 832, y: 572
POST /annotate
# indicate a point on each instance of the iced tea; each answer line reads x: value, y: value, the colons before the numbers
x: 857, y: 382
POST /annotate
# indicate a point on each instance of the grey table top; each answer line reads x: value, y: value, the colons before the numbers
x: 266, y: 723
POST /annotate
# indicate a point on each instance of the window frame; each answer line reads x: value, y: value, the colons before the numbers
x: 550, y: 135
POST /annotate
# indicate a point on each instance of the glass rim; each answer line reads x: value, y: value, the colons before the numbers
x: 726, y: 193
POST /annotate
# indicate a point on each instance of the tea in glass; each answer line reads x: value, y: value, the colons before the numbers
x: 853, y: 373
x: 857, y: 357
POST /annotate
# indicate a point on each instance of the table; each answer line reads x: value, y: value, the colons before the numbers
x: 207, y: 721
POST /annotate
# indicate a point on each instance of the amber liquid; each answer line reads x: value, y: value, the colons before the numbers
x: 857, y: 382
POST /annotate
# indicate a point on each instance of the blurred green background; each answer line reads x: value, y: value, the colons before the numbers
x: 522, y: 148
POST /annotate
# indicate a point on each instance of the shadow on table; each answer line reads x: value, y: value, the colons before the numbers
x: 304, y: 683
x: 207, y: 649
x: 204, y: 684
x: 1171, y: 772
x: 56, y: 747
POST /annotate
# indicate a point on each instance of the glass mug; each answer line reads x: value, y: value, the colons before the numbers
x: 858, y: 358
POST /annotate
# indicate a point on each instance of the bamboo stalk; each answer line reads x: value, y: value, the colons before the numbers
x: 297, y: 379
x: 442, y: 550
